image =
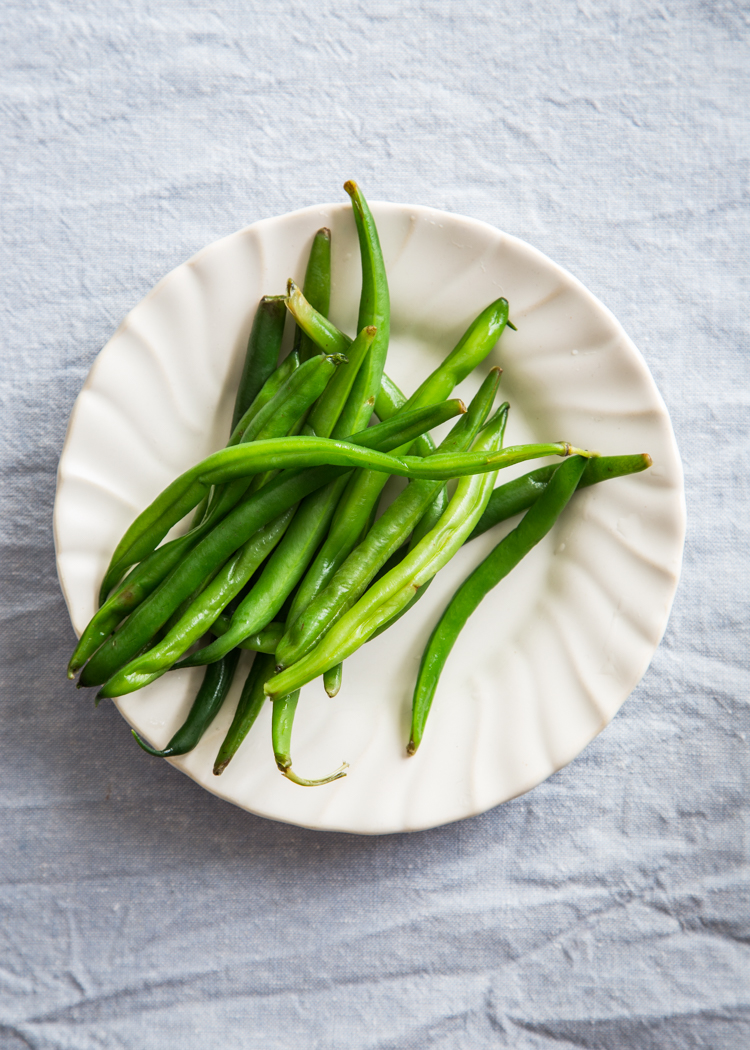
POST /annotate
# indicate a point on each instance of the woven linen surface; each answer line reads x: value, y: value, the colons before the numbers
x: 606, y: 909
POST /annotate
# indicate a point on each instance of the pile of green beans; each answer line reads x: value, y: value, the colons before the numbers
x: 286, y: 554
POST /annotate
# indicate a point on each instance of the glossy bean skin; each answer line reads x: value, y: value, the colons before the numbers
x: 374, y: 309
x: 282, y: 721
x: 535, y: 524
x: 324, y: 416
x: 264, y: 641
x: 262, y: 353
x: 365, y: 488
x: 230, y: 533
x: 279, y: 577
x: 374, y: 312
x: 282, y: 573
x: 517, y: 496
x: 387, y: 597
x: 317, y: 288
x: 269, y: 390
x: 208, y: 702
x: 301, y: 390
x: 201, y: 613
x: 385, y: 537
x: 332, y: 679
x: 182, y: 495
x: 249, y: 707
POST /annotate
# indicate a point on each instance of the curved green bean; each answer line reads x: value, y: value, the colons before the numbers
x: 317, y: 288
x: 535, y: 524
x: 208, y: 702
x: 282, y: 721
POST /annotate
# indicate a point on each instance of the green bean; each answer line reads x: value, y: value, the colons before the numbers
x: 201, y: 613
x: 365, y: 488
x: 332, y: 679
x: 274, y: 419
x: 374, y: 309
x: 231, y: 532
x: 248, y: 708
x: 326, y: 412
x: 271, y: 386
x: 516, y: 496
x: 296, y: 395
x: 262, y: 353
x: 282, y: 573
x: 216, y: 684
x: 317, y: 288
x: 385, y: 598
x: 535, y: 524
x: 384, y: 538
x: 471, y: 349
x: 295, y: 453
x: 264, y: 641
x: 269, y: 390
x: 281, y: 731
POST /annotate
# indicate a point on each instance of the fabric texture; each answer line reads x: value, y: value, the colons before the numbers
x: 606, y: 909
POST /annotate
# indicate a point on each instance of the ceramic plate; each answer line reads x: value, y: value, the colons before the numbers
x: 551, y: 654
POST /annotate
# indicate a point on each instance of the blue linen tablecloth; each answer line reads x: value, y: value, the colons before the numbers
x: 609, y: 907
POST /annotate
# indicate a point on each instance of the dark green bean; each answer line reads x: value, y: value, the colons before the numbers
x: 249, y: 707
x: 230, y: 533
x: 281, y: 730
x: 270, y: 389
x: 535, y: 524
x: 216, y: 684
x: 317, y: 288
x: 262, y: 353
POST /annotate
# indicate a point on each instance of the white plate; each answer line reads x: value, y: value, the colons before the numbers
x: 551, y: 654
